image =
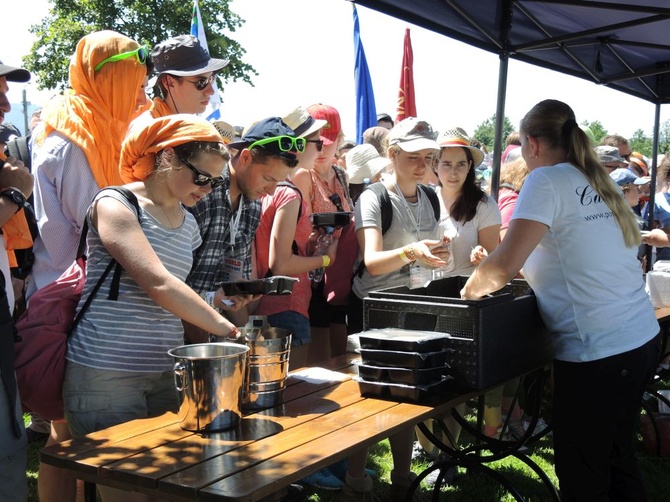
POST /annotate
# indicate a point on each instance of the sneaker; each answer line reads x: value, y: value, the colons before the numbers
x: 540, y: 426
x: 339, y: 470
x: 323, y: 479
x: 294, y: 493
x: 516, y: 429
x: 450, y: 473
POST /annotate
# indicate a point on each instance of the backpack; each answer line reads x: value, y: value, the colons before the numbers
x: 386, y: 209
x: 44, y: 328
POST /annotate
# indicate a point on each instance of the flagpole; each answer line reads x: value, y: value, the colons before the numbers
x: 198, y: 31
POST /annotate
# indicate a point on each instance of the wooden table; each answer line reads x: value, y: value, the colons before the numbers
x: 318, y: 424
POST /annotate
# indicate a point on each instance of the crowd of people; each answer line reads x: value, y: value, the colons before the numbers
x: 216, y: 204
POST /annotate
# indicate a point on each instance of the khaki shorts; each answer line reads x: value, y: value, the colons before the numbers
x: 96, y: 399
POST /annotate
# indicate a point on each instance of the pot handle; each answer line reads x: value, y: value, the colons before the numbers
x: 179, y: 372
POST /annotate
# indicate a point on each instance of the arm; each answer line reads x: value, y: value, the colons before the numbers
x: 488, y: 240
x: 13, y: 174
x: 303, y: 180
x: 282, y: 261
x: 379, y: 262
x: 508, y: 258
x: 657, y: 237
x: 125, y: 241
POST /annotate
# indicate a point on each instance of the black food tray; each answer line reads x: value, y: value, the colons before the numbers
x: 405, y: 340
x: 275, y: 285
x: 409, y: 360
x: 399, y: 392
x: 402, y: 375
x: 335, y: 219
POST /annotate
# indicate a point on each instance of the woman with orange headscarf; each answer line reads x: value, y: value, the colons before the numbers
x: 75, y: 154
x: 118, y: 367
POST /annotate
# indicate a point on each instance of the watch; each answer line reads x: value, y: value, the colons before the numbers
x: 15, y: 196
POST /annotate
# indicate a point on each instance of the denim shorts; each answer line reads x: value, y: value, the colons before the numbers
x: 96, y: 399
x: 296, y: 323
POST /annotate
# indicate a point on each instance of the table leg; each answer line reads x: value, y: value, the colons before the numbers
x: 90, y: 492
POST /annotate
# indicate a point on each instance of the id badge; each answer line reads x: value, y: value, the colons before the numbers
x: 419, y: 276
x: 233, y: 270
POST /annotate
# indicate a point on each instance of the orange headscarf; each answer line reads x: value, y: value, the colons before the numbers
x: 96, y: 112
x: 138, y: 155
x: 159, y: 108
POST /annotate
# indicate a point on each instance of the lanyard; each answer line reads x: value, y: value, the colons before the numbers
x: 235, y: 219
x: 415, y: 222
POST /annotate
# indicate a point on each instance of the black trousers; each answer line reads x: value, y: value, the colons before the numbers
x: 596, y: 406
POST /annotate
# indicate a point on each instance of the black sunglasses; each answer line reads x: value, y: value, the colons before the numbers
x: 202, y: 83
x: 317, y: 142
x: 202, y: 179
x: 335, y: 199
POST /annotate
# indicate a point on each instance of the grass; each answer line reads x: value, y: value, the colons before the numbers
x: 469, y: 485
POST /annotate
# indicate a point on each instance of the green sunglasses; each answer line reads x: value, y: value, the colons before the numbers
x: 285, y: 143
x: 141, y: 53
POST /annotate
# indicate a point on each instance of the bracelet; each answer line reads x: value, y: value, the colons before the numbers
x: 326, y: 261
x: 404, y: 257
x: 209, y: 298
x: 409, y: 251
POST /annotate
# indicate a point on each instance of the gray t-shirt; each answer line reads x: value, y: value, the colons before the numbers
x: 401, y: 232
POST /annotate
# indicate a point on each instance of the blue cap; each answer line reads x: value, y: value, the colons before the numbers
x: 623, y: 177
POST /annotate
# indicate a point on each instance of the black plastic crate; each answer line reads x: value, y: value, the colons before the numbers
x: 495, y: 339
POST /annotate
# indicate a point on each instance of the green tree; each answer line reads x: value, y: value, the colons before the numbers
x: 598, y: 130
x: 485, y: 132
x: 147, y: 21
x: 640, y: 142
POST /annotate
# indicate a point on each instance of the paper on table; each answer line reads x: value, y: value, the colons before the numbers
x: 319, y: 375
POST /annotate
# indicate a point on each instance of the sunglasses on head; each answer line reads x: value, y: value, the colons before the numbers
x: 202, y: 179
x: 141, y: 53
x: 317, y: 142
x: 202, y: 83
x: 284, y: 143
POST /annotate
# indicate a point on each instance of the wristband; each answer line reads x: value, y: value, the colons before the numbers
x: 209, y: 298
x: 404, y: 257
x: 326, y: 261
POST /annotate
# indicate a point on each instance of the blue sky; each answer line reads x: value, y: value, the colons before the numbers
x: 303, y: 51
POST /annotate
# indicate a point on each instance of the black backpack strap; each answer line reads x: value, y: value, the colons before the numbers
x: 434, y: 200
x: 386, y: 211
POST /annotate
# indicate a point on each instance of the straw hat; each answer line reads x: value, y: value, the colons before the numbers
x: 458, y: 138
x: 226, y: 131
x: 364, y: 161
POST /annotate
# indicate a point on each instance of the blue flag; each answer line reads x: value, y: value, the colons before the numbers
x: 366, y: 113
x: 198, y: 31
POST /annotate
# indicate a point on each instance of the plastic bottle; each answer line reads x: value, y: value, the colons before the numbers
x: 449, y: 231
x: 322, y: 244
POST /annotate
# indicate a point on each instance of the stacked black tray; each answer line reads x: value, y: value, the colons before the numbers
x: 403, y: 365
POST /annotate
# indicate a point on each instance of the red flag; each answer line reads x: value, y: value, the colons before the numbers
x: 406, y: 101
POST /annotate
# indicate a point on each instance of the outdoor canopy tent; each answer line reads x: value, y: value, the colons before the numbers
x: 622, y: 44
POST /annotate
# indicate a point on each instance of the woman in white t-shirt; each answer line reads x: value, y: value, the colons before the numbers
x: 577, y: 239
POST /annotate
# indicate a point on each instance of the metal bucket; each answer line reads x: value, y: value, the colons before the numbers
x: 269, y: 350
x: 210, y: 381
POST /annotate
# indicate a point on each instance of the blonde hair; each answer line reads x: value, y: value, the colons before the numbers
x: 554, y: 122
x: 514, y: 173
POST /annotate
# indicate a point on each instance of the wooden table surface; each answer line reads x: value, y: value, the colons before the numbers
x: 318, y: 424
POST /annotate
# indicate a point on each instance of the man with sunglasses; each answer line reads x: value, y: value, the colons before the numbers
x: 229, y: 216
x: 185, y: 76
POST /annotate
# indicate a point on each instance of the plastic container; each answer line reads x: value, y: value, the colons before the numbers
x: 400, y: 359
x: 398, y: 392
x: 275, y: 285
x: 495, y: 339
x: 405, y: 376
x: 401, y: 339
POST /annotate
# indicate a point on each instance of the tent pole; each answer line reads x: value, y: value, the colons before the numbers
x: 654, y: 167
x: 500, y: 120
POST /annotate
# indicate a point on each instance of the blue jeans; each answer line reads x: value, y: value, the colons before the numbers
x: 296, y: 323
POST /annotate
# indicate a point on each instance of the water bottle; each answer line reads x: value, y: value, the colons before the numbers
x: 322, y: 244
x: 449, y: 231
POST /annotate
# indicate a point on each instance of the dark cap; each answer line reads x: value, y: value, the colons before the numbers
x: 13, y: 74
x: 384, y: 116
x: 8, y: 132
x: 183, y: 56
x: 266, y: 128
